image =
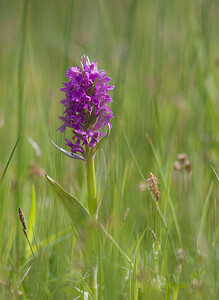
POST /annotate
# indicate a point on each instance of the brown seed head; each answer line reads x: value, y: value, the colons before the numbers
x: 22, y: 219
x: 177, y: 165
x: 153, y: 186
x: 182, y: 157
x: 155, y: 238
x: 182, y: 163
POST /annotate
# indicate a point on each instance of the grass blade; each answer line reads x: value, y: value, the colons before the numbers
x: 215, y: 173
x: 167, y: 189
x: 204, y: 212
x: 9, y: 160
x: 115, y: 243
x: 143, y: 178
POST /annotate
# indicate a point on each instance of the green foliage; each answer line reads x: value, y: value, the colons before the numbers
x: 163, y: 60
x: 77, y: 213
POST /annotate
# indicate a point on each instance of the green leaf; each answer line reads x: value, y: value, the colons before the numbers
x: 82, y: 220
x: 77, y: 213
x: 67, y: 153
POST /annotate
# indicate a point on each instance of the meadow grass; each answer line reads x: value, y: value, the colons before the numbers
x: 164, y: 62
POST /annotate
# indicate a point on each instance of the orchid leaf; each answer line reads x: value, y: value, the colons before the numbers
x: 67, y: 153
x: 77, y: 213
x: 81, y: 219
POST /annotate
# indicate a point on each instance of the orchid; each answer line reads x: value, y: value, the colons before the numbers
x: 86, y: 106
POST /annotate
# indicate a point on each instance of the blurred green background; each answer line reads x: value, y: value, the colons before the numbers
x: 163, y: 57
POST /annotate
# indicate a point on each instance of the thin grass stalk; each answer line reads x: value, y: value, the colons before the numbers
x: 21, y: 66
x: 167, y: 189
x: 23, y: 222
x: 20, y: 78
x: 142, y: 176
x: 9, y: 160
x: 204, y: 214
x: 40, y: 104
x: 20, y: 112
x: 67, y: 29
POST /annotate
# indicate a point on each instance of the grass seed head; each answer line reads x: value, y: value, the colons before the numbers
x: 156, y: 239
x: 182, y: 163
x: 23, y: 222
x: 153, y: 186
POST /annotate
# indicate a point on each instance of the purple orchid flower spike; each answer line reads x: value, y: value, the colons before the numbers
x: 86, y: 108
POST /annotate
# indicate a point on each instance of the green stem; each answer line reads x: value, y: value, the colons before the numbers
x: 93, y: 281
x: 92, y: 204
x: 91, y: 186
x: 30, y: 246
